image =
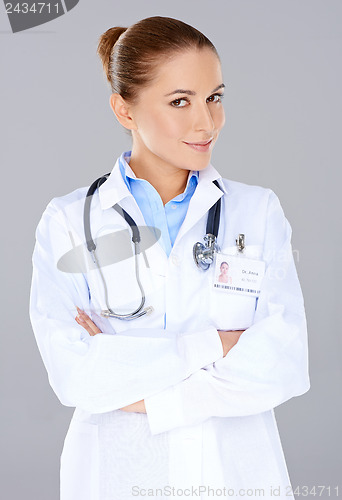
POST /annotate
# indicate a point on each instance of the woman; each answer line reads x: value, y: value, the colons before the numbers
x: 183, y: 396
x: 223, y: 276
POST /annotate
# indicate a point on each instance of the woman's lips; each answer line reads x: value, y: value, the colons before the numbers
x: 200, y: 147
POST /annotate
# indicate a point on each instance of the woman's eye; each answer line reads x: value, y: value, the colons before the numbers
x: 176, y: 102
x: 219, y: 96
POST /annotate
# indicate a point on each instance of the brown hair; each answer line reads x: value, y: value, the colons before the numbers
x: 130, y: 56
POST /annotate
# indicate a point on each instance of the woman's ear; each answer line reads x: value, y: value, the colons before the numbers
x: 122, y: 111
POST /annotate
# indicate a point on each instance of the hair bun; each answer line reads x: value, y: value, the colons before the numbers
x: 106, y: 42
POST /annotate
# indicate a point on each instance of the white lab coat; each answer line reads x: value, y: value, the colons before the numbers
x: 210, y: 421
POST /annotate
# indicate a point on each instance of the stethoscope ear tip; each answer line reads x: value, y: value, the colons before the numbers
x: 110, y: 314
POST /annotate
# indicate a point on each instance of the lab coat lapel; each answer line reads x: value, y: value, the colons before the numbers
x: 205, y: 196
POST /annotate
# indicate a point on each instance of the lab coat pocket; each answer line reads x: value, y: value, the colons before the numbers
x: 229, y: 310
x: 80, y: 462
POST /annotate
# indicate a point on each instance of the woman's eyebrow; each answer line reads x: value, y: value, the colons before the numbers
x: 191, y: 92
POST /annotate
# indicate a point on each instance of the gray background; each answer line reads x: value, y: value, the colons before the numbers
x: 282, y: 67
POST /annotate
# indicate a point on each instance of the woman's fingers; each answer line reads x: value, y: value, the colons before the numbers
x: 83, y: 320
x: 229, y: 338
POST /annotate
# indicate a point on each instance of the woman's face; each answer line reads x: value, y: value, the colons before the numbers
x: 224, y: 268
x: 166, y: 119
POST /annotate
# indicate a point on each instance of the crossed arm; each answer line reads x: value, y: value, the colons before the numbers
x: 228, y: 338
x: 267, y: 367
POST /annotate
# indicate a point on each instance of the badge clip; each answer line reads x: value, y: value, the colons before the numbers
x: 240, y: 242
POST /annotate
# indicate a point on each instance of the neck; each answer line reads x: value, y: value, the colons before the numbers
x: 167, y: 180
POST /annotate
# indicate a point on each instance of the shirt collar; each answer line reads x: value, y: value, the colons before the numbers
x: 117, y: 186
x: 129, y: 176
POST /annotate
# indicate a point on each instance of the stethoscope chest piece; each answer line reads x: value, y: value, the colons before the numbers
x: 204, y: 254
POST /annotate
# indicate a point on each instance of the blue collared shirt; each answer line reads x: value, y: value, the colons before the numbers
x: 169, y: 218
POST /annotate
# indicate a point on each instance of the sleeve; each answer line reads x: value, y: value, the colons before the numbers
x: 107, y: 371
x: 269, y: 363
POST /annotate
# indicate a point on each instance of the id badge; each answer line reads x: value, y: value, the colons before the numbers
x: 238, y: 274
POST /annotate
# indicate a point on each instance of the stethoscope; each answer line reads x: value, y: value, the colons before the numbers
x: 203, y: 253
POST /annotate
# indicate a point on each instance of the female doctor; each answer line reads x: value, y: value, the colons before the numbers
x: 173, y: 376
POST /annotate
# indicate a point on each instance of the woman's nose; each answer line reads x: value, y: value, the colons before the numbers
x: 203, y: 119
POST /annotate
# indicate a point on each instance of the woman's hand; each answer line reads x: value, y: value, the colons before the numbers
x: 138, y: 407
x: 229, y: 338
x: 83, y: 320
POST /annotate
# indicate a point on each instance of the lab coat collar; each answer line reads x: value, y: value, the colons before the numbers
x: 114, y: 190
